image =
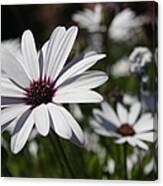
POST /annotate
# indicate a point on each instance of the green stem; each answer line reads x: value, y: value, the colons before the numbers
x: 63, y: 155
x: 125, y: 160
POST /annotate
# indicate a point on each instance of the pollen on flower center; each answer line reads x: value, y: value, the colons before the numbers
x: 39, y: 92
x: 126, y: 130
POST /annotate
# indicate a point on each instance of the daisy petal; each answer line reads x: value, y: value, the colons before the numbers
x: 10, y: 113
x: 59, y: 121
x: 41, y: 119
x: 110, y: 114
x: 30, y: 54
x: 142, y: 145
x: 121, y: 140
x: 14, y: 68
x: 149, y: 136
x: 122, y: 113
x: 134, y: 113
x: 77, y: 96
x: 22, y: 131
x: 52, y: 49
x: 63, y: 51
x: 145, y: 123
x: 87, y: 80
x: 9, y: 89
x: 79, y: 68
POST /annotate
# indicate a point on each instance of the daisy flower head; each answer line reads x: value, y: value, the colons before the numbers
x: 38, y: 83
x: 124, y: 126
x: 90, y: 19
x: 139, y: 59
x: 126, y: 25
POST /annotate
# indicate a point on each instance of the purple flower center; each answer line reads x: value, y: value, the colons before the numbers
x: 39, y: 92
x: 126, y: 130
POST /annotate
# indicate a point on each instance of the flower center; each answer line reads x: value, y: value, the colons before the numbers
x: 126, y: 130
x: 39, y: 92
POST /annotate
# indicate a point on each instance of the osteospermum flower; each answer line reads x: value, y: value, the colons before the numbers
x: 36, y: 84
x: 89, y: 19
x: 126, y: 25
x: 139, y: 59
x: 124, y: 126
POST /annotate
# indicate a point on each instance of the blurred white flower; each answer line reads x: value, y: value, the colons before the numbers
x: 124, y: 126
x: 129, y: 99
x: 125, y: 25
x: 110, y: 167
x: 149, y: 167
x: 89, y: 19
x: 92, y: 145
x: 33, y: 148
x: 140, y: 58
x: 121, y: 68
x: 76, y: 111
x: 132, y: 160
x: 38, y: 83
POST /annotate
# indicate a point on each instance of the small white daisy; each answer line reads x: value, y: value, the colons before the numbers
x: 121, y: 68
x: 124, y: 126
x: 125, y: 25
x: 139, y: 59
x: 90, y: 20
x: 38, y: 83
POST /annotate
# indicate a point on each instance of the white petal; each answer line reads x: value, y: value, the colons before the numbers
x: 121, y: 140
x: 21, y: 135
x: 77, y: 96
x: 79, y: 67
x: 142, y: 145
x: 10, y: 113
x: 132, y: 141
x: 41, y: 119
x: 99, y: 129
x: 110, y: 114
x: 87, y: 80
x: 122, y: 113
x: 30, y: 54
x: 14, y: 68
x: 149, y: 136
x: 145, y: 123
x: 52, y: 49
x: 9, y: 89
x: 59, y: 121
x: 104, y: 122
x: 62, y: 53
x: 134, y: 113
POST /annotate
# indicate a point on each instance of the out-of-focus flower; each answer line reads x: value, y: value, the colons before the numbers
x: 90, y: 20
x: 33, y: 148
x: 126, y: 25
x: 140, y: 58
x: 129, y: 99
x: 149, y: 167
x: 121, y: 68
x: 110, y: 167
x: 76, y: 111
x: 36, y: 85
x: 124, y: 126
x: 92, y: 145
x: 131, y: 161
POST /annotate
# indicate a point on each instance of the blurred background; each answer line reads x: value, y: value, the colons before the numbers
x: 101, y: 158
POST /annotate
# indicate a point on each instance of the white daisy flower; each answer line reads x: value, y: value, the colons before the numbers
x: 125, y: 25
x: 140, y: 58
x: 38, y: 83
x: 110, y: 167
x: 124, y: 126
x: 129, y: 99
x: 121, y: 68
x: 90, y: 20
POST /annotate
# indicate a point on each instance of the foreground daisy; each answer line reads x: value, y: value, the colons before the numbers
x: 89, y: 19
x: 124, y: 126
x: 35, y: 85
